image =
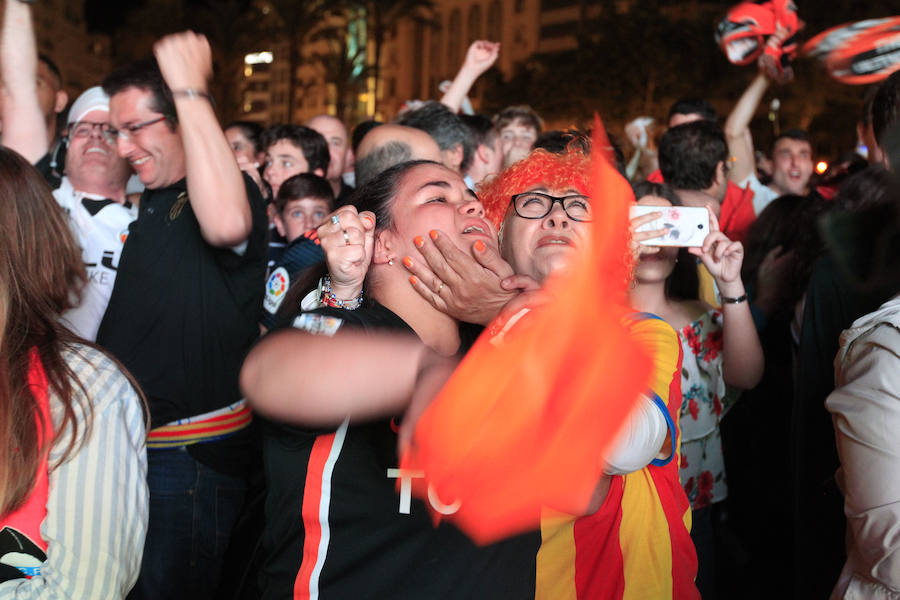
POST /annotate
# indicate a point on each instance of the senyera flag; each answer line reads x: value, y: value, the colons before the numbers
x: 525, y: 423
x: 859, y: 53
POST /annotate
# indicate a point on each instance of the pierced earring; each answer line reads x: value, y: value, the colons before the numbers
x: 391, y: 262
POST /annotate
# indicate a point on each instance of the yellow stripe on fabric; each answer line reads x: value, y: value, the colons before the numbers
x: 556, y: 557
x: 661, y: 340
x: 189, y: 427
x: 707, y: 288
x: 644, y: 539
x: 644, y: 530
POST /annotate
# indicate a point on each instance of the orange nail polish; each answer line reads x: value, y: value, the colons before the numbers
x: 418, y: 241
x: 413, y: 280
x: 407, y: 261
x: 479, y: 245
x: 433, y: 234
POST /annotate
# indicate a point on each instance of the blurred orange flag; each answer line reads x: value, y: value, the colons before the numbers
x: 526, y: 423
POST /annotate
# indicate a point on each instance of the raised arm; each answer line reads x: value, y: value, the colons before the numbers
x: 24, y: 129
x: 742, y: 355
x: 480, y: 56
x: 215, y: 184
x: 737, y: 129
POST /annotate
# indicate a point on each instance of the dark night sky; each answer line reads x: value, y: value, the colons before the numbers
x: 104, y: 15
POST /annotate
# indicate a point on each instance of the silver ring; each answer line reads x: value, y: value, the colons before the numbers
x: 346, y: 237
x: 335, y: 219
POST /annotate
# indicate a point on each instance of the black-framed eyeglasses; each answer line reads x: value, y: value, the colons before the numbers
x: 83, y: 129
x: 128, y: 131
x: 537, y: 205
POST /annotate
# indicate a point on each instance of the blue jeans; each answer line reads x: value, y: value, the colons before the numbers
x: 192, y: 512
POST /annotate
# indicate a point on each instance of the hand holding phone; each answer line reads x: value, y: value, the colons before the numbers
x: 685, y: 226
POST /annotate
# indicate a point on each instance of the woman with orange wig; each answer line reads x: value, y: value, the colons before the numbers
x: 634, y: 540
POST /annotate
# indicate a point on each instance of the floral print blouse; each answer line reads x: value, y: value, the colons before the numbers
x: 703, y: 403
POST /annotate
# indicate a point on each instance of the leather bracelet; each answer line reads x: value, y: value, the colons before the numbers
x: 738, y: 300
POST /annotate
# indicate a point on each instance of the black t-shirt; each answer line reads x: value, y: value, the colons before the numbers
x: 300, y: 254
x: 336, y: 523
x: 183, y: 314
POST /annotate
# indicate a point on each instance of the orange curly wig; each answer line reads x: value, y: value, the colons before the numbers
x: 571, y: 170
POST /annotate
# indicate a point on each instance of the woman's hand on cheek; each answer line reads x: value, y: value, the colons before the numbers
x: 465, y: 285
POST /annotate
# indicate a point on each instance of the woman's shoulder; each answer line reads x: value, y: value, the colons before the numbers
x: 98, y: 376
x: 685, y: 313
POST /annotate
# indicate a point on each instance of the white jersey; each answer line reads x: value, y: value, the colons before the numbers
x: 100, y: 227
x: 763, y: 195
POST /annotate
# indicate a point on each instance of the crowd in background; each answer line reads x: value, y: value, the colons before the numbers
x: 216, y: 342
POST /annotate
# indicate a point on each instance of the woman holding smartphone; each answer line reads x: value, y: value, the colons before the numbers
x: 720, y: 350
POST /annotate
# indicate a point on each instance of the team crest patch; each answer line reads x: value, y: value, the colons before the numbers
x: 278, y: 283
x: 318, y: 324
x: 123, y: 235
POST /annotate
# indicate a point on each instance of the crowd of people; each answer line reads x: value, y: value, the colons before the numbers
x: 217, y: 343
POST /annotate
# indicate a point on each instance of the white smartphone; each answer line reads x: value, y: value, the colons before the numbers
x: 687, y: 226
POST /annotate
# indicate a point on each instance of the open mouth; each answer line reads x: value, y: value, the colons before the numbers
x: 138, y: 162
x: 474, y: 229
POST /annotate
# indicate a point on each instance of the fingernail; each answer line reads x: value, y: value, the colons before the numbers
x: 407, y: 261
x: 433, y: 234
x: 413, y: 280
x: 418, y: 241
x: 479, y: 245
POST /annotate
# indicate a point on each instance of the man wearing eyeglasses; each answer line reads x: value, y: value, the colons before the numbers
x: 185, y: 308
x: 93, y: 194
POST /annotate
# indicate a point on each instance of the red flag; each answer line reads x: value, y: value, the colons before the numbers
x: 526, y: 423
x: 859, y: 53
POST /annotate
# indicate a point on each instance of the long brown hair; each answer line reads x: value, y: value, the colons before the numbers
x: 41, y: 275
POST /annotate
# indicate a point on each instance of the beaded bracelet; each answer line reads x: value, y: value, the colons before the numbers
x: 329, y: 299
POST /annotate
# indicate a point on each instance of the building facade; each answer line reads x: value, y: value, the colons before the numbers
x: 61, y: 32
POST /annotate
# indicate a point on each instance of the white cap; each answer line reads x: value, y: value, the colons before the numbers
x: 90, y: 100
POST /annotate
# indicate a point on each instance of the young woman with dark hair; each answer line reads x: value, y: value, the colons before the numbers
x: 720, y: 348
x: 638, y: 517
x: 335, y: 526
x: 73, y: 499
